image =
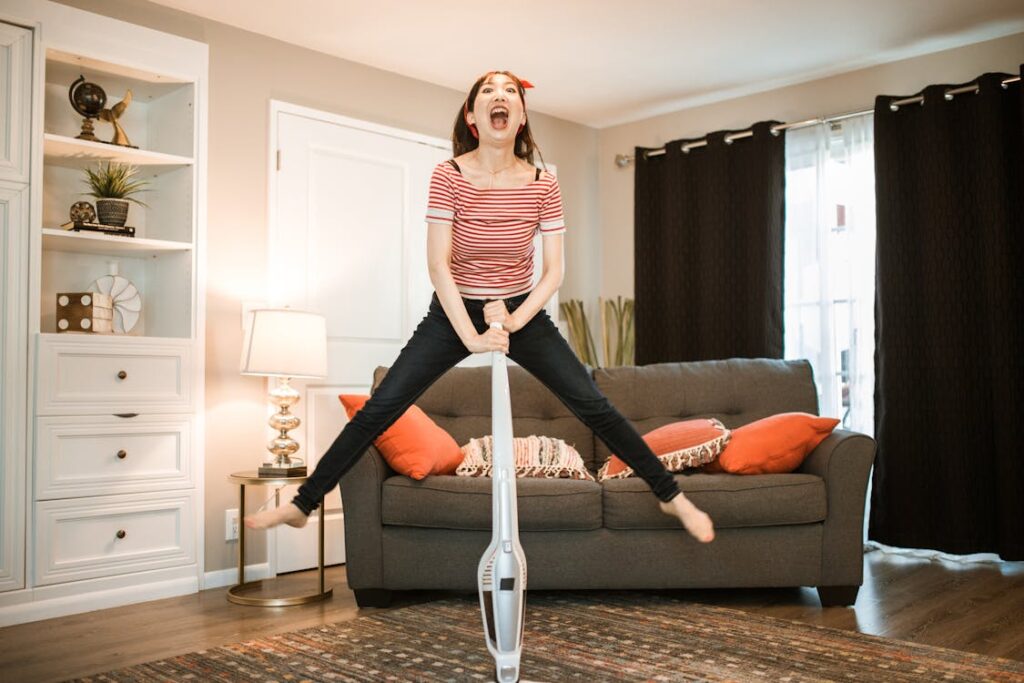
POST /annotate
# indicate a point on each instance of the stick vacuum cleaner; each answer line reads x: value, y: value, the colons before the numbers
x: 501, y: 575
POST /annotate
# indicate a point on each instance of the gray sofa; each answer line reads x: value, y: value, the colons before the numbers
x: 799, y: 529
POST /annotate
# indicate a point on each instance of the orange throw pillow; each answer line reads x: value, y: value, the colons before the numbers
x: 414, y: 445
x: 679, y: 445
x: 773, y: 445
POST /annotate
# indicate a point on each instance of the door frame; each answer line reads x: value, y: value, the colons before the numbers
x: 276, y: 108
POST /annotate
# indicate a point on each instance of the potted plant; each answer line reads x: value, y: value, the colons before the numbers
x: 113, y: 186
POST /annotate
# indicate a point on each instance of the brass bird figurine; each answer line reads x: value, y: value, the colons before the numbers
x: 113, y: 114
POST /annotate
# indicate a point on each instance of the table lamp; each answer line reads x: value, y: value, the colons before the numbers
x: 284, y: 343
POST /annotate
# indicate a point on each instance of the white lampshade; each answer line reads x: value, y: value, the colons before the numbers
x: 286, y: 343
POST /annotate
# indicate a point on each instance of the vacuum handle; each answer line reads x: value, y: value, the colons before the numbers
x: 497, y: 326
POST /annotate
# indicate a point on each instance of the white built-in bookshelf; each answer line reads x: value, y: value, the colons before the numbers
x: 102, y: 480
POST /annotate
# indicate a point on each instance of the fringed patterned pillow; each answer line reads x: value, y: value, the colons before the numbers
x: 535, y: 456
x: 679, y: 445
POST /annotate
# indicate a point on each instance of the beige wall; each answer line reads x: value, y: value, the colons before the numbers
x: 247, y: 70
x: 853, y: 91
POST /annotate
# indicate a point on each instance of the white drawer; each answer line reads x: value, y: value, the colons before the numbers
x: 86, y: 455
x: 99, y: 374
x: 84, y: 538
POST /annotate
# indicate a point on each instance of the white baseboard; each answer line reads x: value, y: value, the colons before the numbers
x: 36, y: 608
x: 48, y: 602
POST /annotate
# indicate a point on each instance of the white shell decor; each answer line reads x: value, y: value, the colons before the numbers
x: 127, y: 300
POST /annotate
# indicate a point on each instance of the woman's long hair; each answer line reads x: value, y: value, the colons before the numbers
x: 462, y: 138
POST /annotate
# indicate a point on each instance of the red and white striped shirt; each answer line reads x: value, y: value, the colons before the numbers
x: 493, y: 230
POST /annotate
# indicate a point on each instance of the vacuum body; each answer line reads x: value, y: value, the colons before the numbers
x: 501, y: 575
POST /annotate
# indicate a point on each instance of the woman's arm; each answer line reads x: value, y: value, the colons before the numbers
x: 550, y: 280
x: 439, y: 250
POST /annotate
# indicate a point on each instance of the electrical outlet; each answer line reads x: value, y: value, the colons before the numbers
x: 231, y: 524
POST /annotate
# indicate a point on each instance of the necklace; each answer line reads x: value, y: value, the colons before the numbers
x: 494, y: 173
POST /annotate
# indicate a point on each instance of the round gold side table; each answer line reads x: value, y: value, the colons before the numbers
x: 235, y: 593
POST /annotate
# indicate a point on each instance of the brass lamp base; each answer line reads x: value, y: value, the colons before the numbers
x: 283, y: 446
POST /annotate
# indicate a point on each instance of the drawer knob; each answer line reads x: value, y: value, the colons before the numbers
x: 121, y: 533
x: 122, y: 454
x: 122, y: 375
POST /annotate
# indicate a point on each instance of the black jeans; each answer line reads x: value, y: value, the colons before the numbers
x: 435, y: 347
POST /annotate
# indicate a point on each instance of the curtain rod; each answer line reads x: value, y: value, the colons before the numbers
x: 622, y: 160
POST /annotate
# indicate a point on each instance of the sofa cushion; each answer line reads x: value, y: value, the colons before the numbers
x: 678, y: 445
x: 414, y: 445
x: 731, y: 501
x: 773, y: 445
x: 736, y: 391
x: 460, y: 403
x: 532, y: 456
x: 450, y: 502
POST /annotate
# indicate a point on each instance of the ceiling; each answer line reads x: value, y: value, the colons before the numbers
x: 602, y: 63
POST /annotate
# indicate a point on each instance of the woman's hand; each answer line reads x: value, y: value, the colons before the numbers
x: 491, y: 340
x: 495, y: 312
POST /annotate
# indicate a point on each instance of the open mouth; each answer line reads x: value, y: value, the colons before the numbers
x: 499, y: 118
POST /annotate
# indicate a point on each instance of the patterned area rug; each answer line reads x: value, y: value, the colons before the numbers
x: 575, y: 637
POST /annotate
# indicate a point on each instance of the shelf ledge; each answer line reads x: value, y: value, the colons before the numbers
x: 98, y: 243
x: 64, y: 151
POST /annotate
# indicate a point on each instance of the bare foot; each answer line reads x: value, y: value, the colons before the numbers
x: 696, y: 521
x: 285, y: 514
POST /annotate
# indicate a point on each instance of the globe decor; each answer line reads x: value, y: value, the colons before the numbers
x: 88, y: 100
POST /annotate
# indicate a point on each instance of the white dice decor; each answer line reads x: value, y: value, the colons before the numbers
x: 85, y: 312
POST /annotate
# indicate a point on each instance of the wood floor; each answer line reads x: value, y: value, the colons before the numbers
x: 974, y: 607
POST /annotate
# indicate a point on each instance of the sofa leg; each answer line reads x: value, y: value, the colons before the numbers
x: 838, y: 596
x: 373, y: 597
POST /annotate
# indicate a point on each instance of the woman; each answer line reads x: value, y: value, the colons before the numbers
x: 484, y: 208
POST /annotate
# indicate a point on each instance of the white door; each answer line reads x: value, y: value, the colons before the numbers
x: 347, y: 240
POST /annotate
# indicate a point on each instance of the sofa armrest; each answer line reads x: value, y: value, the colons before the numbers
x: 361, y: 501
x: 843, y: 460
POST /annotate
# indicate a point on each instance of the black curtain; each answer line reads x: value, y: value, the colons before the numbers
x: 708, y: 231
x: 948, y: 318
